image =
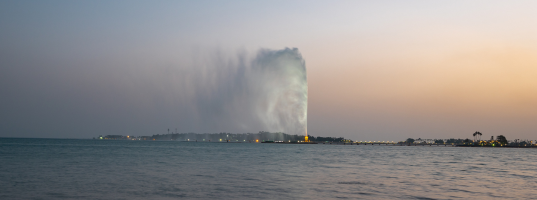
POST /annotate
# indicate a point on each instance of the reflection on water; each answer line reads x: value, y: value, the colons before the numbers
x: 96, y: 169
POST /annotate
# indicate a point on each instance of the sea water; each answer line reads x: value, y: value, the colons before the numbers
x: 108, y: 169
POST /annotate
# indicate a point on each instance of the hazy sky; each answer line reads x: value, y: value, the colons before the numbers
x: 377, y: 70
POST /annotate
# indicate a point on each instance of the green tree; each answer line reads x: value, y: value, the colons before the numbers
x: 501, y: 139
x: 410, y: 140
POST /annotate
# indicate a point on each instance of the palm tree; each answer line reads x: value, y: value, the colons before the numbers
x: 477, y: 136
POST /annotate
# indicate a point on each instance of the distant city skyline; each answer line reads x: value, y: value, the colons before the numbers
x: 379, y: 70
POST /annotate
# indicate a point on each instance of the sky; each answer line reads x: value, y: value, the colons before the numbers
x: 376, y: 70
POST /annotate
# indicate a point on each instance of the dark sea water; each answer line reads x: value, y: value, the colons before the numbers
x: 99, y: 169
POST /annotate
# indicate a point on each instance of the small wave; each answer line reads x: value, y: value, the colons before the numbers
x: 416, y: 197
x: 352, y: 182
x: 461, y: 190
x: 523, y: 176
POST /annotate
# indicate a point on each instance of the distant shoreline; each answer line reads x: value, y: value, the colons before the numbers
x: 296, y: 142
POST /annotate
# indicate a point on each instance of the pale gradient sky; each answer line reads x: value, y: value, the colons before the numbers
x: 377, y: 70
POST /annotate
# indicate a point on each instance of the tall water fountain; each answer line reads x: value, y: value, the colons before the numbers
x: 265, y: 92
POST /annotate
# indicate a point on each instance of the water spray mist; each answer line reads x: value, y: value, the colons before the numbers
x: 266, y: 92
